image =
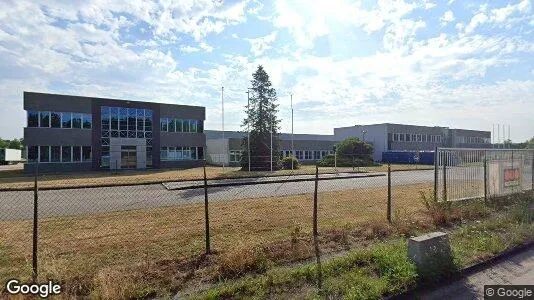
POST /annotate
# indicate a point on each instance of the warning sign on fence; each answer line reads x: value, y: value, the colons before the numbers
x: 504, y: 177
x: 512, y: 177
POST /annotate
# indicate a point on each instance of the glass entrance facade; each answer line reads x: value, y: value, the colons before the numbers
x: 125, y: 123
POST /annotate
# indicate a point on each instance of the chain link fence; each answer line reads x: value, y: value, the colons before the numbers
x: 92, y: 233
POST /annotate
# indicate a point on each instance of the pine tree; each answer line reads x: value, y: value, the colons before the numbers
x: 261, y: 116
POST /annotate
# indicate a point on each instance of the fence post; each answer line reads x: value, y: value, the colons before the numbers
x: 206, y: 214
x: 485, y: 177
x: 532, y: 173
x: 35, y: 225
x: 315, y: 238
x: 436, y: 166
x: 389, y: 194
x: 445, y: 178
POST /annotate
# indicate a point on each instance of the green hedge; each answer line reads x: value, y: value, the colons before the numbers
x: 343, y: 161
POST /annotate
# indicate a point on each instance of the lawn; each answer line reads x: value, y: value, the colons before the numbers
x: 158, y: 252
x: 152, y: 251
x: 16, y: 179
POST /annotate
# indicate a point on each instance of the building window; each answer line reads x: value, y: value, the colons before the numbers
x: 308, y: 155
x: 235, y: 155
x: 163, y: 122
x: 76, y: 154
x: 185, y: 125
x: 33, y: 119
x: 55, y: 153
x: 200, y: 126
x: 395, y: 137
x: 179, y: 127
x: 200, y: 151
x: 114, y: 117
x: 193, y: 125
x: 66, y: 120
x: 44, y: 119
x: 408, y: 137
x: 66, y: 154
x: 77, y: 121
x: 401, y: 137
x: 55, y: 120
x: 86, y: 153
x: 172, y: 125
x: 44, y: 153
x: 424, y: 138
x: 33, y: 153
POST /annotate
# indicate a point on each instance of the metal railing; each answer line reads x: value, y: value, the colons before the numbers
x: 482, y: 173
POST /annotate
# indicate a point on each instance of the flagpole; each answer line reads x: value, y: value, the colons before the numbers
x: 292, y: 139
x: 222, y: 106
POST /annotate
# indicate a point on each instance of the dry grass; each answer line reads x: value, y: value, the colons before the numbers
x: 133, y: 253
x: 16, y: 179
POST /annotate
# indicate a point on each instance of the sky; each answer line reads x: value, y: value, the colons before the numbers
x: 460, y: 64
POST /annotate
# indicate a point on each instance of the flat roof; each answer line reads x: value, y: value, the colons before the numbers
x: 102, y: 98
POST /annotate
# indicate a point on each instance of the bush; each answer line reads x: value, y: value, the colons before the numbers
x: 286, y: 163
x: 343, y: 161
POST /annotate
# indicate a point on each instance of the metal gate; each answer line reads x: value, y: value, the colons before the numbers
x: 462, y: 173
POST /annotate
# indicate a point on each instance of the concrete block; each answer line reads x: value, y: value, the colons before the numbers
x: 431, y: 253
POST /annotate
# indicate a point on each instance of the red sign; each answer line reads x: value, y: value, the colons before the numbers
x: 512, y: 177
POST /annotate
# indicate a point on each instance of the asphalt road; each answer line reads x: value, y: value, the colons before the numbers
x: 19, y: 205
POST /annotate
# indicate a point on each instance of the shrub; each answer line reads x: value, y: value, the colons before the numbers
x: 343, y: 161
x: 286, y: 163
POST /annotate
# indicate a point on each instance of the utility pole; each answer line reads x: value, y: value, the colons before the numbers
x: 271, y: 147
x: 222, y: 105
x: 292, y: 140
x: 248, y: 127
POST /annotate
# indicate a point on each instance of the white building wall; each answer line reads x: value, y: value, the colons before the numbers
x: 217, y: 151
x: 375, y: 134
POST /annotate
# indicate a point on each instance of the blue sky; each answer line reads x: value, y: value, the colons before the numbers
x: 462, y: 64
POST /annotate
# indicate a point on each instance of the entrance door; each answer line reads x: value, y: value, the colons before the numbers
x: 128, y: 157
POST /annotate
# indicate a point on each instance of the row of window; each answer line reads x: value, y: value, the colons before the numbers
x: 416, y: 137
x: 182, y: 153
x: 59, y: 154
x: 235, y: 155
x: 51, y: 119
x: 179, y: 125
x: 307, y: 154
x: 472, y: 140
x: 121, y: 118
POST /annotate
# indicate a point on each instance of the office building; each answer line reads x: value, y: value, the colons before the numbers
x: 66, y: 133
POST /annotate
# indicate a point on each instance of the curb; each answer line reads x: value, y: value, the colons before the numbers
x: 422, y: 287
x: 212, y: 185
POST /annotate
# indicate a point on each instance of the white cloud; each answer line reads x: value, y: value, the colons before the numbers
x: 447, y: 17
x: 308, y: 22
x: 435, y: 78
x: 188, y: 49
x: 400, y: 35
x: 204, y: 46
x: 499, y: 16
x: 476, y: 21
x: 261, y: 44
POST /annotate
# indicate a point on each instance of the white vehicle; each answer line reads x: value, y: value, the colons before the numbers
x: 10, y: 156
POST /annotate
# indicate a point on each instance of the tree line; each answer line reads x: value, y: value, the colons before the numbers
x: 12, y: 144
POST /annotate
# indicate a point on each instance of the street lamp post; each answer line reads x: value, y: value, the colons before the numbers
x: 248, y: 127
x: 363, y: 133
x: 222, y: 113
x: 292, y: 140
